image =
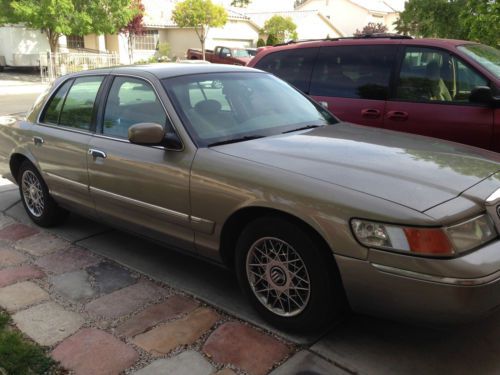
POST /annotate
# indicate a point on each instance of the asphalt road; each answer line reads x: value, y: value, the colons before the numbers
x: 16, y: 103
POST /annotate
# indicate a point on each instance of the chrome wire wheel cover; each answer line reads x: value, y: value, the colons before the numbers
x: 32, y: 193
x: 278, y: 276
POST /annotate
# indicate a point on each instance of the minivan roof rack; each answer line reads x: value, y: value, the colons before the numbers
x: 361, y: 36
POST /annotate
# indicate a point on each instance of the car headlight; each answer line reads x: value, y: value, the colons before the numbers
x: 426, y: 241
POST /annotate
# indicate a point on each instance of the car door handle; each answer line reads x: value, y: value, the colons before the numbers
x: 38, y: 141
x: 97, y: 153
x: 397, y: 115
x: 370, y: 113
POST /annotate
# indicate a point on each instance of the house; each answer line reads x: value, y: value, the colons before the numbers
x: 351, y: 15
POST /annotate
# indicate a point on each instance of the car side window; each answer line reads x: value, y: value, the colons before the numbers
x: 131, y: 101
x: 53, y: 109
x: 362, y: 72
x: 294, y: 66
x: 78, y: 106
x: 432, y: 75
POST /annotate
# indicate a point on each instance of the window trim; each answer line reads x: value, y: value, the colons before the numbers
x: 102, y: 107
x: 400, y: 57
x: 95, y: 109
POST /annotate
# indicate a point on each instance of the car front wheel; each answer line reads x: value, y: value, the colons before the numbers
x: 39, y: 205
x: 286, y: 275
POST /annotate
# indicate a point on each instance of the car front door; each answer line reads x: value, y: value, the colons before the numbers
x: 61, y: 141
x: 143, y: 188
x: 353, y: 80
x: 431, y: 97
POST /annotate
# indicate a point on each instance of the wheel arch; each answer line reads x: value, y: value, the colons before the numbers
x: 16, y: 160
x: 234, y: 225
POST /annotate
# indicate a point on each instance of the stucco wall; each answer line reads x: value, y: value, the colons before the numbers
x: 22, y: 46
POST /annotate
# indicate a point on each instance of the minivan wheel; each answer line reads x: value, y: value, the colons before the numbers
x: 39, y: 205
x: 283, y: 272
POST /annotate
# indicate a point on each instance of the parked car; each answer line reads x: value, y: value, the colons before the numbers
x: 313, y: 215
x: 222, y: 55
x: 447, y: 89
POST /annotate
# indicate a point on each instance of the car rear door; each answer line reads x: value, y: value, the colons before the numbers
x: 142, y: 188
x: 353, y: 80
x: 431, y: 97
x: 61, y: 139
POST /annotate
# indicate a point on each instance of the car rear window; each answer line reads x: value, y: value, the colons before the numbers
x: 294, y: 66
x: 362, y: 72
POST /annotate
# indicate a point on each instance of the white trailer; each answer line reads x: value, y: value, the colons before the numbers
x: 21, y: 46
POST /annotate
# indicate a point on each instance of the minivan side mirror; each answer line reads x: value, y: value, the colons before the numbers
x: 146, y: 133
x: 484, y: 95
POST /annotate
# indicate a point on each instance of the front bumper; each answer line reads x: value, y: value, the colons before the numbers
x: 451, y: 291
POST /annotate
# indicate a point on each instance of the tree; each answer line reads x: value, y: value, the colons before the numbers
x: 271, y: 40
x: 260, y: 43
x: 67, y: 17
x: 134, y: 27
x: 200, y: 15
x: 240, y: 3
x: 372, y: 28
x: 477, y: 20
x: 281, y: 28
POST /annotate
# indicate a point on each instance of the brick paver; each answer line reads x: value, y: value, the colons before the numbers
x: 15, y: 232
x: 48, y: 323
x: 166, y: 337
x: 10, y: 257
x: 67, y: 260
x: 20, y: 273
x: 109, y: 277
x: 245, y: 347
x: 153, y: 315
x: 20, y: 295
x: 189, y: 362
x: 42, y: 244
x: 126, y: 300
x: 74, y: 286
x: 94, y: 352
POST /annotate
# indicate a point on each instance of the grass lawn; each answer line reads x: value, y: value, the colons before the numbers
x: 19, y: 356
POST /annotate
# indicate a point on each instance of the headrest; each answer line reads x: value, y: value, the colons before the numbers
x: 207, y: 106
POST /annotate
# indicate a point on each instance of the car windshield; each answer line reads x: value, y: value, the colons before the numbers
x: 488, y: 57
x: 225, y: 107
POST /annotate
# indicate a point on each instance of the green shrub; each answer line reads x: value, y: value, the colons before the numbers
x: 271, y: 40
x: 261, y: 43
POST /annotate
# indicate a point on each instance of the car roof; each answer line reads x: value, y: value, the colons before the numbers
x: 168, y: 70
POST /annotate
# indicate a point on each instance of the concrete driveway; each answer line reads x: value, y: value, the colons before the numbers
x: 361, y: 345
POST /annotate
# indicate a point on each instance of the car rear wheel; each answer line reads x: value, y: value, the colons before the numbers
x: 286, y: 275
x: 39, y: 205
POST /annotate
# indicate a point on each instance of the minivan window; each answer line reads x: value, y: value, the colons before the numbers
x: 294, y: 66
x: 362, y: 72
x: 487, y: 56
x: 79, y: 103
x: 131, y: 101
x: 429, y: 74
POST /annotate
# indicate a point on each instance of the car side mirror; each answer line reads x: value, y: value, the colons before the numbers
x: 172, y: 141
x: 481, y: 94
x: 146, y: 133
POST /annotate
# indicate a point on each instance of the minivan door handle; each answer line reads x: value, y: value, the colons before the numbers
x: 397, y: 115
x: 97, y: 153
x: 370, y: 113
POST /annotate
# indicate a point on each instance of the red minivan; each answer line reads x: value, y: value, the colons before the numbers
x: 442, y: 88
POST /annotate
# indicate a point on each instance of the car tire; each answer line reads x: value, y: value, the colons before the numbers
x: 295, y: 286
x: 38, y: 203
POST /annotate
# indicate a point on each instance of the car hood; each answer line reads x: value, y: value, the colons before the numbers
x: 414, y: 171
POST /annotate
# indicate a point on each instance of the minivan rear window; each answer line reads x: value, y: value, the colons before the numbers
x: 362, y: 72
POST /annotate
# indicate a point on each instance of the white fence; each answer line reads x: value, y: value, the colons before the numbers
x: 56, y: 64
